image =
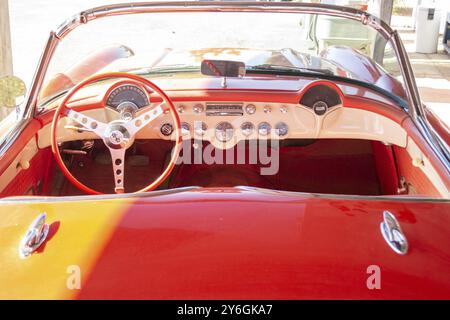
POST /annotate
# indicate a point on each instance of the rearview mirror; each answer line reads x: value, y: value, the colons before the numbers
x: 223, y: 68
x: 11, y: 88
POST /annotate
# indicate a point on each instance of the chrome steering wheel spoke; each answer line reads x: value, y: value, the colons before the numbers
x: 118, y: 164
x: 87, y: 122
x: 135, y: 125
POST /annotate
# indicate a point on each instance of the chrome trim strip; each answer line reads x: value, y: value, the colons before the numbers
x: 394, y: 198
x: 18, y: 200
x: 408, y: 76
x: 112, y: 196
x: 38, y: 79
x: 435, y: 142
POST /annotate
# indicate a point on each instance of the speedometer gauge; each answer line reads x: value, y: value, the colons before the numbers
x: 127, y: 93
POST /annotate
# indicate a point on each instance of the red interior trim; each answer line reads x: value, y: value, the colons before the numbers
x: 385, y: 166
x: 25, y: 136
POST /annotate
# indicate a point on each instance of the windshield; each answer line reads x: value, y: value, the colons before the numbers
x: 164, y: 44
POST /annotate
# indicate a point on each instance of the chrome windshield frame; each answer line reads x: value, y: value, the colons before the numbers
x: 415, y: 106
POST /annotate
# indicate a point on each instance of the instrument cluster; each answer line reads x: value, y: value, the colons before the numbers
x: 224, y: 121
x: 127, y: 99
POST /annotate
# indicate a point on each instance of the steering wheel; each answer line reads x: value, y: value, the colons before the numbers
x: 117, y: 135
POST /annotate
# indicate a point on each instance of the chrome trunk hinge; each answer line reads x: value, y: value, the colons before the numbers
x: 392, y: 233
x: 36, y: 234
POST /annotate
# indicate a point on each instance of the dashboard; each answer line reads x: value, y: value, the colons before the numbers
x: 319, y: 113
x: 224, y: 124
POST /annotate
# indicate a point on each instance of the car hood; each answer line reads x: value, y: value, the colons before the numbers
x: 239, y: 243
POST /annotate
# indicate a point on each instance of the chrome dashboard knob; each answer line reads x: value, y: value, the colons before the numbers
x: 250, y: 109
x: 181, y: 109
x: 198, y: 108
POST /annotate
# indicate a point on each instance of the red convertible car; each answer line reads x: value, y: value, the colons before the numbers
x: 224, y: 150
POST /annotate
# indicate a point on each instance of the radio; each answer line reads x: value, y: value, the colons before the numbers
x: 228, y: 109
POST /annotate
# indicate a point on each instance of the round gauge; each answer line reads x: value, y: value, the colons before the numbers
x: 264, y: 128
x: 267, y: 109
x: 247, y: 128
x: 281, y: 129
x: 127, y: 110
x: 224, y: 131
x: 166, y: 129
x: 200, y: 128
x: 185, y: 128
x: 250, y: 108
x: 127, y: 93
x: 320, y: 108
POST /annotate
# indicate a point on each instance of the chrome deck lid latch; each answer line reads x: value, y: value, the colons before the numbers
x: 392, y: 233
x: 36, y: 234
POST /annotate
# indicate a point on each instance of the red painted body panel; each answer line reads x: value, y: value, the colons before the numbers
x: 364, y: 68
x: 236, y: 244
x: 438, y: 125
x: 88, y: 66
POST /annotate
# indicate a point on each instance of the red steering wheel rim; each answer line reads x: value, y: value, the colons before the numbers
x: 63, y: 105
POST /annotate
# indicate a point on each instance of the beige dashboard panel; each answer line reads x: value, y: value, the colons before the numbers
x: 361, y: 124
x: 302, y: 123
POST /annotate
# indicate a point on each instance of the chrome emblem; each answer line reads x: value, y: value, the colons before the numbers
x: 36, y: 234
x: 392, y: 233
x: 116, y: 137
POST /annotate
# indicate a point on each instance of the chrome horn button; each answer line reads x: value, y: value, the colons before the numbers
x: 117, y: 136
